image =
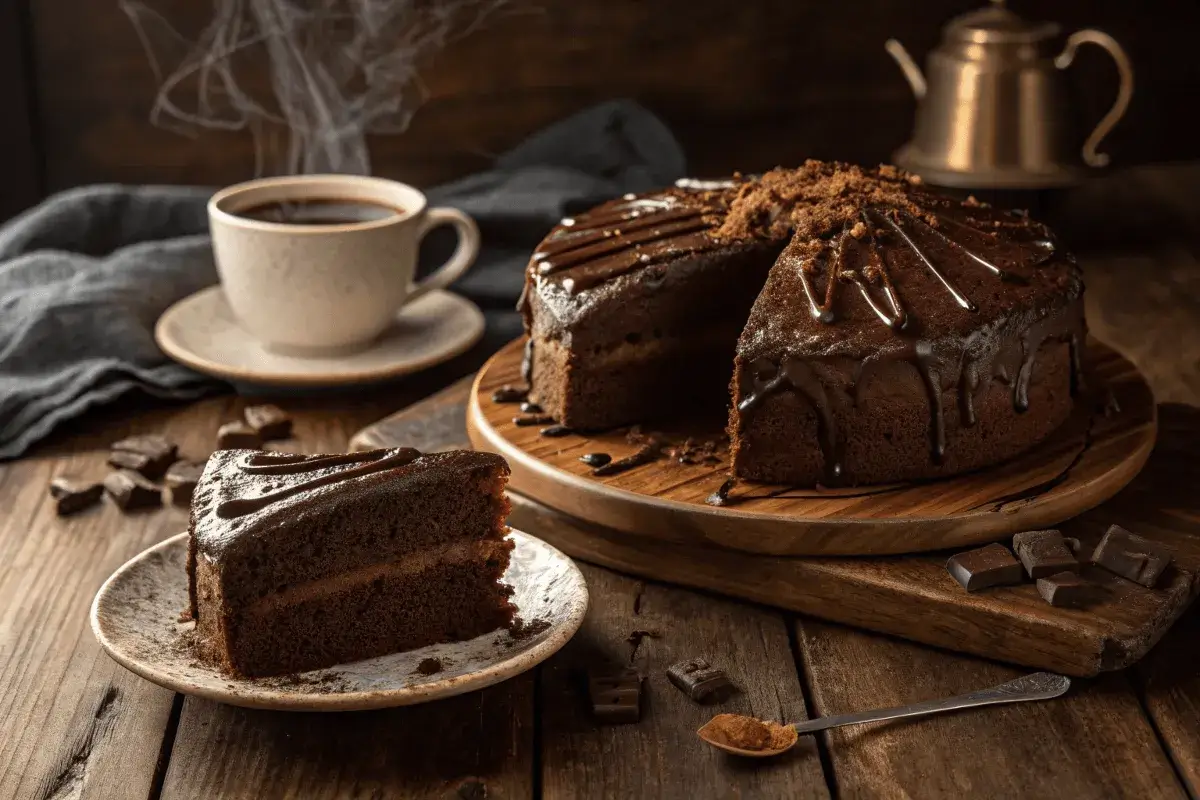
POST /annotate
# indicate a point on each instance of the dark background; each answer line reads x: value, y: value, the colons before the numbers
x: 745, y: 85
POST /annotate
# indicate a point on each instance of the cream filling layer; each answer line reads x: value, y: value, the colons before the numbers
x: 458, y: 552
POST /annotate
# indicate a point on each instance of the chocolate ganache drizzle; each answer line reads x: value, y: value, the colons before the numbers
x: 870, y: 237
x: 282, y: 464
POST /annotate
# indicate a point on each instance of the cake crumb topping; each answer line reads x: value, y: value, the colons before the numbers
x: 817, y: 199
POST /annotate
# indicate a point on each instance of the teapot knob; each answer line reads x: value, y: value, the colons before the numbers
x: 1124, y: 91
x: 916, y: 79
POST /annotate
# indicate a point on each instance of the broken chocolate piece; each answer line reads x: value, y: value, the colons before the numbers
x: 238, y: 435
x: 533, y: 419
x: 700, y: 681
x: 271, y: 422
x: 1134, y: 557
x: 616, y: 695
x: 71, y: 496
x: 130, y: 490
x: 181, y: 480
x: 1044, y: 553
x: 1068, y: 590
x: 150, y: 454
x: 988, y: 566
x: 556, y: 431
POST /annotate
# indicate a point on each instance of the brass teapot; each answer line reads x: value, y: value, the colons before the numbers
x: 991, y: 113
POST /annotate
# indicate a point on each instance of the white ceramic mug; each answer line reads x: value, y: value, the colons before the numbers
x: 322, y: 288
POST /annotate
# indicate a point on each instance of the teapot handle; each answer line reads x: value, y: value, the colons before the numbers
x: 1124, y: 91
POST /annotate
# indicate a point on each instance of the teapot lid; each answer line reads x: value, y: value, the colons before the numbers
x: 997, y: 25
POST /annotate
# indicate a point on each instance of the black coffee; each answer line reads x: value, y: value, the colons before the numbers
x: 319, y: 211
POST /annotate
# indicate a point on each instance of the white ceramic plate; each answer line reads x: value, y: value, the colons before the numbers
x: 135, y: 616
x: 201, y: 332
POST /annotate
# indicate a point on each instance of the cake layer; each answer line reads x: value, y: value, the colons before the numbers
x: 374, y: 611
x: 275, y: 520
x: 299, y: 562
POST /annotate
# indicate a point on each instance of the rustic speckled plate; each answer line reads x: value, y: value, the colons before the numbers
x: 135, y: 616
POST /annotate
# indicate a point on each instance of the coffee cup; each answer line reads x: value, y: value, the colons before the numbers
x: 321, y: 264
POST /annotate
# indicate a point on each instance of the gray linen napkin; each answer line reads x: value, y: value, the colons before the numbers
x: 85, y: 275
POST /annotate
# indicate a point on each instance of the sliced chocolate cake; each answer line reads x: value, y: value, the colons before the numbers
x: 301, y: 562
x: 873, y: 330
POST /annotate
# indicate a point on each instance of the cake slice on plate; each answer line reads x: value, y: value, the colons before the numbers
x: 301, y: 562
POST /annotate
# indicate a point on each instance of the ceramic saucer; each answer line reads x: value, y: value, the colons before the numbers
x: 201, y: 332
x: 135, y: 616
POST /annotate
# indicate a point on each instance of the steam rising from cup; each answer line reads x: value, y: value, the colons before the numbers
x: 309, y: 79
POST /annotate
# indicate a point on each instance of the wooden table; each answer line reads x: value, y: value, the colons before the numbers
x: 73, y: 724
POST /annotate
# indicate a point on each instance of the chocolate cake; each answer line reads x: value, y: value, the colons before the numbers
x: 871, y: 330
x: 301, y: 562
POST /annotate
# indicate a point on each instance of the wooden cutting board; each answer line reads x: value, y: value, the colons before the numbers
x: 1095, y: 453
x: 909, y: 596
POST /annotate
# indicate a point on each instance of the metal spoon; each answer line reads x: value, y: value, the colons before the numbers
x: 1038, y: 686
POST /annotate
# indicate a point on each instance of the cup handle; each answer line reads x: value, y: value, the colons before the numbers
x: 464, y: 254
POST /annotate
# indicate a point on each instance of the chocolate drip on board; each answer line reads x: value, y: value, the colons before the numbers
x: 268, y: 464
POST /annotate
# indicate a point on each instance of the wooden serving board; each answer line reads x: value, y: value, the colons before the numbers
x: 1089, y: 459
x: 909, y: 596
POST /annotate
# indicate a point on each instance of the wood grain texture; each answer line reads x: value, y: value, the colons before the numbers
x: 745, y: 86
x: 1092, y: 743
x: 661, y: 756
x: 910, y: 596
x: 480, y: 742
x: 1086, y: 461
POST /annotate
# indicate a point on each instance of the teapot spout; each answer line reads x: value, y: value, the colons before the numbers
x: 909, y: 67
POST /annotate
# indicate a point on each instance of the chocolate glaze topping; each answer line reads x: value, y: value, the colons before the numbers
x: 247, y: 494
x: 949, y: 286
x: 270, y: 464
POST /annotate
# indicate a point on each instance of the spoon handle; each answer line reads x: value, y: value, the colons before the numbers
x: 1038, y: 686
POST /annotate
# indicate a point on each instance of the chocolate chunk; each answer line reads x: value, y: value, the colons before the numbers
x: 556, y: 431
x: 1124, y: 553
x: 71, y: 496
x: 271, y: 422
x: 595, y: 459
x: 700, y: 681
x: 1068, y: 590
x: 530, y: 408
x: 616, y: 695
x: 509, y: 394
x: 181, y: 480
x: 237, y: 435
x: 988, y: 566
x: 1044, y: 553
x: 534, y: 419
x: 129, y: 490
x: 150, y: 454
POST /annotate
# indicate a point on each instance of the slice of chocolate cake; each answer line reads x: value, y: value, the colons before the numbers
x: 301, y: 562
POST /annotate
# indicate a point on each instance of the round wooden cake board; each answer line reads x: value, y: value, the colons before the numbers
x: 1090, y: 458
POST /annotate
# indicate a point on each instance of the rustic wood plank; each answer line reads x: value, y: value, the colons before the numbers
x: 71, y: 720
x: 911, y: 596
x: 20, y: 156
x: 748, y: 98
x: 472, y: 746
x: 1170, y: 686
x: 1094, y: 742
x: 1168, y: 678
x: 661, y: 756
